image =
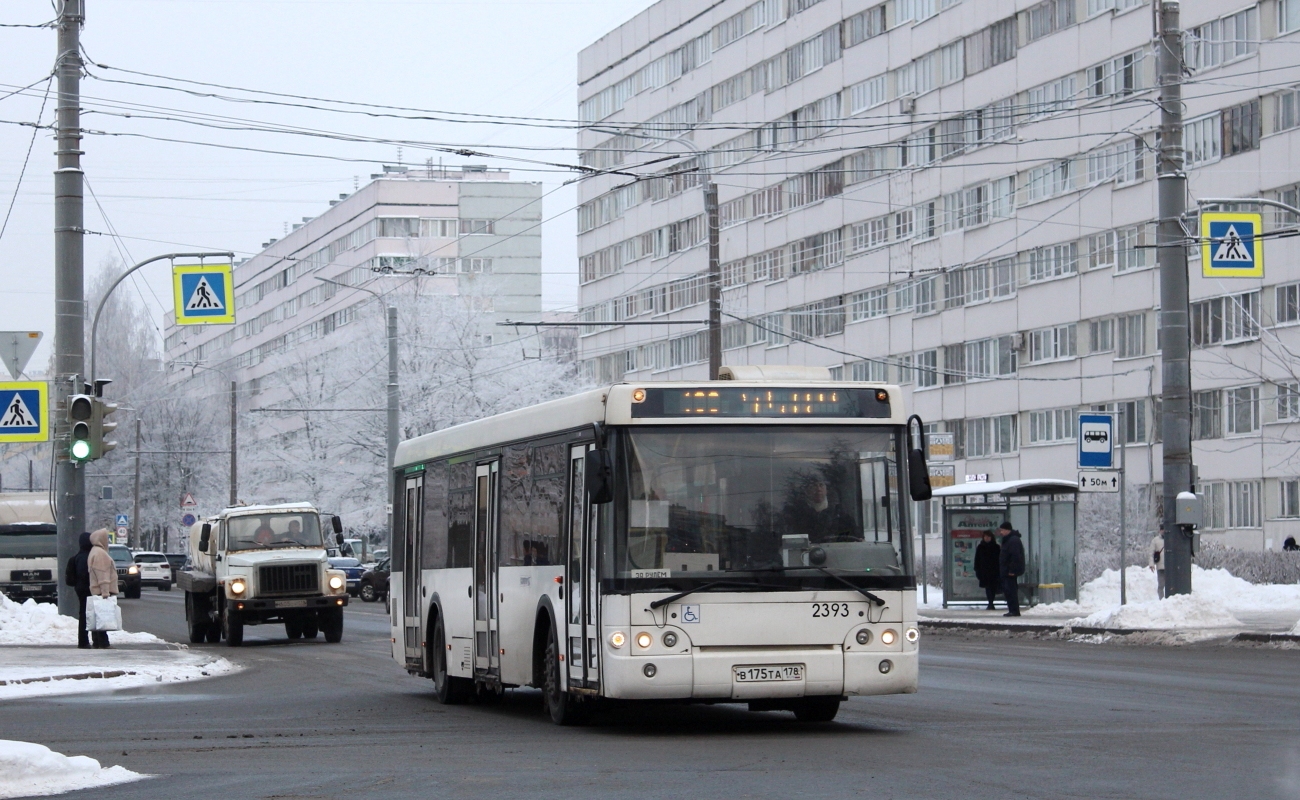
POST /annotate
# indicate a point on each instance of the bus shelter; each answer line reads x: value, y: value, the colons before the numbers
x: 1045, y: 513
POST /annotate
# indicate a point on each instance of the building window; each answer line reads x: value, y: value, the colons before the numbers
x: 991, y: 436
x: 954, y: 364
x: 925, y: 292
x: 869, y: 304
x: 1225, y: 319
x: 1053, y: 344
x: 1131, y: 336
x: 1288, y: 302
x: 1243, y: 504
x: 1225, y: 39
x: 927, y: 369
x: 1053, y: 261
x: 1118, y: 76
x: 1101, y: 335
x: 1056, y: 425
x: 1288, y: 16
x: 1207, y: 415
x: 1288, y: 497
x: 1242, y: 127
x: 1288, y: 401
x: 905, y: 371
x: 1133, y: 246
x: 1203, y: 140
x: 1049, y: 180
x: 1101, y: 250
x: 1049, y: 17
x: 477, y: 227
x: 1214, y: 502
x: 1133, y: 426
x: 1243, y: 410
x: 871, y: 371
x: 837, y: 372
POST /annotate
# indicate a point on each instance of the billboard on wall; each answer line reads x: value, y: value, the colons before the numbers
x: 965, y: 530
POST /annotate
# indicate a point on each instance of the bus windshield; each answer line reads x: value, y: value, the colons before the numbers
x: 790, y: 500
x: 28, y: 541
x: 256, y: 531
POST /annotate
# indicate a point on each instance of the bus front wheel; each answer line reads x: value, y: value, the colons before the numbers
x: 561, y: 705
x: 817, y: 709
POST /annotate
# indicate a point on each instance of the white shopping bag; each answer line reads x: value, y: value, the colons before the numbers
x: 103, y: 614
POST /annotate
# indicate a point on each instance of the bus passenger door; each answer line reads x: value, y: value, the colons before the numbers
x: 411, y: 583
x: 487, y: 641
x: 582, y: 651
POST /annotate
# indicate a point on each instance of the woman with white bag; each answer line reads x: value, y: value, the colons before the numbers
x: 103, y: 586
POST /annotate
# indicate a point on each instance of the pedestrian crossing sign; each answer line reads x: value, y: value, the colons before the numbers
x: 205, y: 294
x: 24, y: 412
x: 1232, y: 245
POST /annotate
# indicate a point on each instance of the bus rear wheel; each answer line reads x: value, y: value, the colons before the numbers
x: 816, y: 709
x: 450, y: 690
x: 561, y: 705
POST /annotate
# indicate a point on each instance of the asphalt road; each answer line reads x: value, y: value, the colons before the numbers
x: 994, y: 718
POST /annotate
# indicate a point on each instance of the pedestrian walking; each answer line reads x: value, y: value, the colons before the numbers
x: 986, y: 567
x: 1157, y: 562
x: 1011, y: 565
x: 103, y: 579
x: 77, y: 575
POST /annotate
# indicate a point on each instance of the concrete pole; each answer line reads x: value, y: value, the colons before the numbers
x: 234, y: 443
x: 136, y: 528
x: 1176, y: 384
x: 69, y: 288
x: 393, y: 418
x: 715, y: 276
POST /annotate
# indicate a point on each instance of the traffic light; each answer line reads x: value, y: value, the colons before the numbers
x: 81, y: 410
x: 100, y: 428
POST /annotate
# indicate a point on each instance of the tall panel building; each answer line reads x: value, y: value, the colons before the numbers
x: 957, y: 196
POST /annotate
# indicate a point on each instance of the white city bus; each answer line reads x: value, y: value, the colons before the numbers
x: 730, y: 541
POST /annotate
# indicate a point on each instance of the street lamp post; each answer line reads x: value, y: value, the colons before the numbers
x: 393, y: 418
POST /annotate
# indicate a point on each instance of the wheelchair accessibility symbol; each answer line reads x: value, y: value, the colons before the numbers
x: 690, y: 613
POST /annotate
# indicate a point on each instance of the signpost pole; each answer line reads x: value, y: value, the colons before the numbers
x: 1123, y: 518
x: 135, y: 495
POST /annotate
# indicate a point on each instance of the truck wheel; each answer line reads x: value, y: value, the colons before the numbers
x: 562, y: 707
x: 368, y: 593
x: 450, y: 690
x: 293, y: 627
x: 331, y: 623
x: 232, y: 627
x: 310, y: 626
x: 198, y: 627
x: 816, y: 709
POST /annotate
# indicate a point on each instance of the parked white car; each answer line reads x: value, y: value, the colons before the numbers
x: 155, y: 570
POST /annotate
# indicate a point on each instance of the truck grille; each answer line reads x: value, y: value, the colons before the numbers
x: 288, y: 579
x: 29, y: 575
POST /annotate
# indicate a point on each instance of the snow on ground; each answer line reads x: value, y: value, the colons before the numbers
x: 1218, y: 600
x: 40, y: 623
x: 934, y: 597
x: 28, y: 769
x: 1296, y: 630
x: 129, y: 670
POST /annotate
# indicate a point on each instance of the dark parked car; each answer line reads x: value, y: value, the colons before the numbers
x: 128, y: 573
x: 352, y: 568
x: 177, y: 560
x: 374, y: 583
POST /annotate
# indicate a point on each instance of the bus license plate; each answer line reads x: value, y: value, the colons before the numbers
x: 776, y: 672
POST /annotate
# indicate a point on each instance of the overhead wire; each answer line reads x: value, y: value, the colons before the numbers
x: 36, y: 129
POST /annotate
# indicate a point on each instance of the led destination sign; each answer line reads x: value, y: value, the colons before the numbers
x: 741, y: 401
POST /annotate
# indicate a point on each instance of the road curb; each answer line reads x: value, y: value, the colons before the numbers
x: 1266, y: 637
x: 1011, y: 627
x: 78, y: 676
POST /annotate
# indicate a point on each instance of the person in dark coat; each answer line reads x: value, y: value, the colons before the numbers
x: 77, y: 575
x: 987, y: 566
x: 1011, y: 565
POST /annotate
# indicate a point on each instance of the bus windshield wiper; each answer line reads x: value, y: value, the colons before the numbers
x: 671, y: 598
x: 872, y: 597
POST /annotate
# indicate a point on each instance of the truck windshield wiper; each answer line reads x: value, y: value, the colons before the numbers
x: 872, y: 597
x: 732, y: 584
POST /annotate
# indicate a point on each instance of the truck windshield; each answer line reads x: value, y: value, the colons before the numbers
x: 781, y: 503
x: 28, y: 541
x: 257, y: 531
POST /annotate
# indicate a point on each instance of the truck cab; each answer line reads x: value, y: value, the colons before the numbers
x: 255, y: 565
x: 28, y: 560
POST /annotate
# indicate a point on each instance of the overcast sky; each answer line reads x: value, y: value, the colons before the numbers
x: 508, y: 57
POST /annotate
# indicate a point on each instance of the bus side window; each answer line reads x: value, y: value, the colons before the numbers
x: 460, y: 525
x: 397, y: 547
x: 434, y: 550
x: 514, y: 539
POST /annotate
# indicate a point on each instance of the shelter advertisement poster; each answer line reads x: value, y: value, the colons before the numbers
x: 964, y: 536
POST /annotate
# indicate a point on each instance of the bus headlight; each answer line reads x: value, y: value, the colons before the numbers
x: 889, y: 637
x: 337, y: 582
x: 670, y: 639
x: 238, y: 586
x: 912, y: 635
x: 617, y: 639
x: 644, y: 640
x: 864, y: 636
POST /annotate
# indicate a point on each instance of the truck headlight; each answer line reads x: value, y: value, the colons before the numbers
x: 337, y: 582
x: 238, y: 586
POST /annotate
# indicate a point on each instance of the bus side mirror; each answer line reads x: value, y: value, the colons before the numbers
x: 337, y: 523
x: 205, y: 537
x: 599, y: 478
x: 918, y: 471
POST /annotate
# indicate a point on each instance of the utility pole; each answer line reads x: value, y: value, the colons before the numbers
x: 715, y: 274
x: 135, y: 494
x: 1123, y: 515
x: 69, y: 287
x: 1176, y: 383
x: 234, y: 443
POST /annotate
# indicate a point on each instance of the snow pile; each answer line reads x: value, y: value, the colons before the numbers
x: 33, y: 623
x: 28, y: 769
x: 159, y: 668
x: 1296, y: 630
x: 934, y: 597
x: 1181, y: 611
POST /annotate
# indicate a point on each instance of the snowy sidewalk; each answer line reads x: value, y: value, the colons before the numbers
x: 41, y: 671
x: 1220, y: 606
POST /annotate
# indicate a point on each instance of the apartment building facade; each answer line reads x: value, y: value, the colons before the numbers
x: 470, y: 233
x: 959, y: 197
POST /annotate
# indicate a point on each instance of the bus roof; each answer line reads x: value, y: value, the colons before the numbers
x: 29, y: 507
x: 610, y: 405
